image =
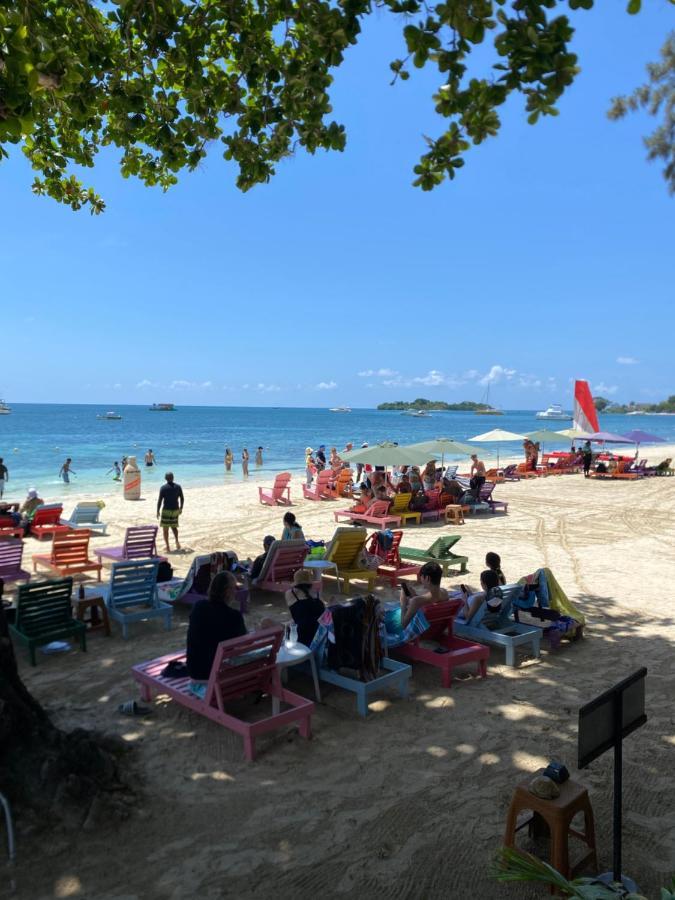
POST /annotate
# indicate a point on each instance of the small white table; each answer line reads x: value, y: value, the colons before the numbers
x: 291, y: 655
x: 322, y: 565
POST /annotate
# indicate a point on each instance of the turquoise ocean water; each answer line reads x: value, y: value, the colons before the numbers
x: 36, y: 438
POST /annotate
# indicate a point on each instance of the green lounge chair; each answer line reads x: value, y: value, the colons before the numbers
x: 439, y: 552
x: 44, y: 614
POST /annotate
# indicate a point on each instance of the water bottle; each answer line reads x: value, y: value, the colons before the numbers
x: 293, y: 634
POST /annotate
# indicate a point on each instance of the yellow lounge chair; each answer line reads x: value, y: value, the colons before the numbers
x: 400, y: 507
x: 345, y: 550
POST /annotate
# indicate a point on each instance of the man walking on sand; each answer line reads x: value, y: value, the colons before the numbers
x: 170, y: 505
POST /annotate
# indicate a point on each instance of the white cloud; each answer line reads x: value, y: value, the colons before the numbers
x: 379, y: 373
x: 627, y: 360
x: 146, y: 383
x: 497, y: 374
x: 181, y: 385
x: 267, y: 388
x: 326, y: 386
x: 434, y: 378
x: 117, y: 386
x: 602, y: 388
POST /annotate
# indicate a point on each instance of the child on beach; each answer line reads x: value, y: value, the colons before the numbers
x: 116, y: 469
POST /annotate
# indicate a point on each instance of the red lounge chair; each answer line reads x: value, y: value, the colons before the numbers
x: 433, y: 508
x: 392, y: 567
x: 242, y: 666
x: 11, y: 556
x: 376, y: 514
x: 459, y: 652
x: 46, y: 522
x: 9, y: 529
x: 69, y: 556
x: 279, y: 494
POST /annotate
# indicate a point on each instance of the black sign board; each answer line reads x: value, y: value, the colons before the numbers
x: 603, y: 724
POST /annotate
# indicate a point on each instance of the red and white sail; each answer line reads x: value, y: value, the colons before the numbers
x: 585, y: 415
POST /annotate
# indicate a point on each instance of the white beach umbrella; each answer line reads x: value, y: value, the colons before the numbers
x: 497, y: 436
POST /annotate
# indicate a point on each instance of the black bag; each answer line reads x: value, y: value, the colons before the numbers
x: 164, y: 571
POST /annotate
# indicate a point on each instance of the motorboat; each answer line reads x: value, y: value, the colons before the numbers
x: 343, y: 409
x: 162, y: 407
x: 555, y: 412
x: 110, y: 416
x: 416, y: 413
x: 4, y: 409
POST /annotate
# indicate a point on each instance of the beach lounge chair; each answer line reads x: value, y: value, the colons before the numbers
x: 440, y: 551
x: 139, y: 543
x: 432, y: 511
x: 243, y: 666
x: 376, y: 514
x: 11, y: 556
x: 46, y: 521
x: 392, y: 567
x: 8, y: 529
x: 322, y: 488
x: 283, y: 560
x: 508, y: 633
x: 86, y: 515
x: 485, y: 496
x: 131, y: 595
x: 523, y: 472
x: 510, y: 473
x: 345, y: 550
x: 663, y: 468
x: 44, y: 614
x: 450, y: 472
x: 371, y: 671
x: 69, y: 555
x: 344, y: 483
x: 401, y: 507
x: 450, y: 651
x: 280, y: 492
x: 194, y: 586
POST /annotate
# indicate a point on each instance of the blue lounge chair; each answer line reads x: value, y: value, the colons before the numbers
x: 507, y: 633
x: 131, y: 595
x: 86, y: 515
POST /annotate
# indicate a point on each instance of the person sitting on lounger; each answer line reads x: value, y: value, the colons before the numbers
x: 29, y: 505
x: 212, y: 620
x: 429, y: 476
x: 430, y: 578
x: 292, y: 529
x: 473, y: 600
x: 494, y: 562
x: 259, y: 561
x: 305, y: 605
x: 381, y: 494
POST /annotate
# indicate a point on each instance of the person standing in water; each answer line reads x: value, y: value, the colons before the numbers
x: 229, y: 459
x: 244, y: 462
x: 116, y: 469
x: 150, y: 459
x: 258, y: 456
x: 169, y: 507
x: 65, y: 471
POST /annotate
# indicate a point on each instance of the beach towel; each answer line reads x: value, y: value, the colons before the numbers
x: 396, y: 634
x: 548, y: 592
x: 352, y: 636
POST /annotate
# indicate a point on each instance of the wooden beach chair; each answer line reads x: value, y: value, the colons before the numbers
x: 454, y: 651
x: 344, y: 483
x: 508, y: 634
x: 322, y: 488
x: 283, y: 560
x: 11, y: 557
x: 440, y: 551
x: 46, y: 521
x: 86, y: 515
x: 69, y: 555
x: 243, y: 667
x: 140, y: 542
x: 44, y: 613
x: 8, y: 529
x: 131, y: 595
x: 392, y: 566
x: 485, y: 496
x: 345, y: 550
x: 280, y: 492
x: 376, y: 514
x: 432, y: 511
x: 401, y: 507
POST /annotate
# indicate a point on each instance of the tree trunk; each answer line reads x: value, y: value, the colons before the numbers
x: 75, y: 779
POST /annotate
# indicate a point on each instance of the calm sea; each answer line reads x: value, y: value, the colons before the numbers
x: 36, y: 438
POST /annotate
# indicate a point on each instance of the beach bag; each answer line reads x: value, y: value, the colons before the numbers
x: 385, y: 539
x: 164, y: 571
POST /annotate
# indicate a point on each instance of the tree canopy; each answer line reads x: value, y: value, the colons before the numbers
x: 164, y: 79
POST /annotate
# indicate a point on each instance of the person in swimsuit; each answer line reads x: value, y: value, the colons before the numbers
x: 430, y: 578
x: 169, y: 508
x: 65, y: 471
x: 305, y: 605
x: 292, y: 529
x: 229, y: 459
x: 244, y: 462
x: 149, y: 459
x: 259, y: 456
x: 477, y: 475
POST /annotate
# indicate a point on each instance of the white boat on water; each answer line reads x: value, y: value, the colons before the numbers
x: 110, y: 415
x: 555, y: 412
x: 416, y: 413
x: 339, y: 409
x: 4, y: 409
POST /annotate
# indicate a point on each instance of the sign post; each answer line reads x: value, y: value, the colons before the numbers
x: 603, y: 724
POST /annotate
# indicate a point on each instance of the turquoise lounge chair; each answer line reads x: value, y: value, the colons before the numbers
x: 508, y: 633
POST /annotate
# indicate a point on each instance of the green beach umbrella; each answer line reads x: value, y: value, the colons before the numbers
x: 545, y: 436
x: 441, y: 446
x: 497, y: 436
x: 387, y: 454
x: 575, y: 434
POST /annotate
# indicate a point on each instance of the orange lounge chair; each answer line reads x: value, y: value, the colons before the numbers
x: 69, y: 556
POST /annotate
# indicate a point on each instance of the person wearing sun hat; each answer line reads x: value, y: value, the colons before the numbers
x: 310, y: 465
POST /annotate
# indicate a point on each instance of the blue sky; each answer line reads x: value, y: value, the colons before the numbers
x: 549, y: 258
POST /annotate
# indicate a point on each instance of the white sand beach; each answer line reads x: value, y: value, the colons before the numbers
x: 410, y: 802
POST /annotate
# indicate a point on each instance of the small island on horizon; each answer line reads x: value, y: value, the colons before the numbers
x: 422, y: 403
x: 607, y: 406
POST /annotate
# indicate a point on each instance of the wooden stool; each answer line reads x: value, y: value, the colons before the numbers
x: 455, y: 512
x: 95, y: 605
x: 557, y: 814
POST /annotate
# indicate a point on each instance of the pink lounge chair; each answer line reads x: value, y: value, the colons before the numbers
x: 139, y: 543
x: 242, y: 666
x: 280, y: 492
x: 283, y: 560
x: 11, y: 556
x: 323, y: 487
x: 376, y: 514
